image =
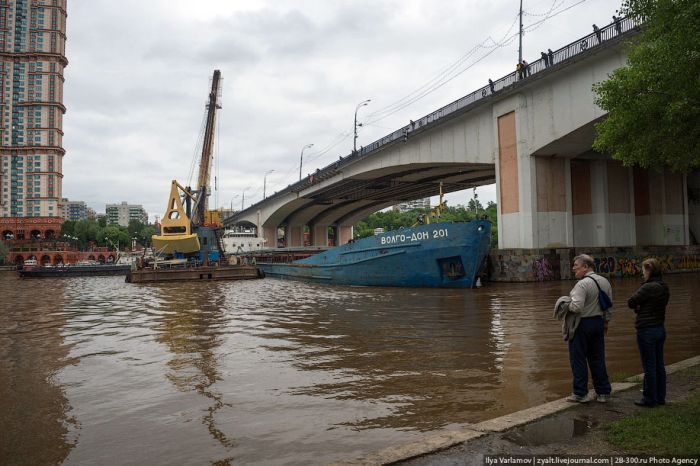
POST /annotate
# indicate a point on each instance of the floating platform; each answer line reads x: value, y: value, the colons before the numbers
x: 74, y: 271
x: 193, y: 274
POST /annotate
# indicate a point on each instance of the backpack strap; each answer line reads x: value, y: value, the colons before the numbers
x: 599, y: 292
x: 594, y: 281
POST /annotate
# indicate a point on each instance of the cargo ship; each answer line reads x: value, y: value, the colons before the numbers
x: 439, y: 255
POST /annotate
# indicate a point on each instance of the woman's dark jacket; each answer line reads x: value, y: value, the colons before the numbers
x: 649, y: 302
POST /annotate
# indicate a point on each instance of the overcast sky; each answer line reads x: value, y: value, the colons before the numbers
x: 293, y: 72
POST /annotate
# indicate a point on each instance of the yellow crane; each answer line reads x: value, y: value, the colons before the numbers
x: 185, y: 229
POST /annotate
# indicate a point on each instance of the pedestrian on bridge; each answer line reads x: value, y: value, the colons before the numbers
x: 525, y: 68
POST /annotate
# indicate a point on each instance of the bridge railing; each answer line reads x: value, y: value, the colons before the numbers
x: 548, y: 60
x: 611, y: 31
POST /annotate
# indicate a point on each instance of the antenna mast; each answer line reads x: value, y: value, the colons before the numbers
x: 520, y: 34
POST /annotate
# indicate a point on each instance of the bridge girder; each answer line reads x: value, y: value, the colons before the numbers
x: 352, y: 199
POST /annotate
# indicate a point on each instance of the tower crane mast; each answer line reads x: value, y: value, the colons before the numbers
x: 202, y: 205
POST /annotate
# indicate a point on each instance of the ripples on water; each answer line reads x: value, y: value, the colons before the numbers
x: 278, y: 372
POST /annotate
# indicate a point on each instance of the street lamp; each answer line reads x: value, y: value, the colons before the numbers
x: 243, y: 197
x: 265, y: 181
x: 301, y: 158
x: 234, y: 197
x: 354, y: 141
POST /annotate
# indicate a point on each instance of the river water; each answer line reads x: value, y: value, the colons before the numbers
x: 98, y: 371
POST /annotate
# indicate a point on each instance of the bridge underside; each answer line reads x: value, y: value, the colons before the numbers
x: 352, y: 199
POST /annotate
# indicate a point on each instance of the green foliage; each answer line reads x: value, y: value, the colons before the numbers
x: 653, y: 103
x: 135, y: 227
x: 4, y: 251
x: 144, y: 236
x: 667, y: 430
x: 474, y: 204
x: 114, y: 236
x: 101, y: 234
x: 393, y: 220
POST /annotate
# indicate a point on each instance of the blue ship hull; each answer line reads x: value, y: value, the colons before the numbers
x: 445, y: 255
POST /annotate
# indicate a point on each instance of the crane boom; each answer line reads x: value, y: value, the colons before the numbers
x: 201, y: 206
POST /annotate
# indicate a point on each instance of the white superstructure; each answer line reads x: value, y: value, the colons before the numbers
x: 241, y: 240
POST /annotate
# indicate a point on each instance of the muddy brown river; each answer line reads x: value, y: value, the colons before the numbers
x: 98, y: 371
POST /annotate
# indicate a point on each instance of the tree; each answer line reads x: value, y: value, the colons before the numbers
x: 114, y: 235
x: 474, y: 205
x: 653, y: 103
x: 135, y: 227
x: 144, y: 236
x: 4, y: 251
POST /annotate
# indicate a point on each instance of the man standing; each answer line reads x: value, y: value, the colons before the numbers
x: 587, y: 347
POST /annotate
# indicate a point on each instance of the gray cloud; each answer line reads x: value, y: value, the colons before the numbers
x: 293, y: 72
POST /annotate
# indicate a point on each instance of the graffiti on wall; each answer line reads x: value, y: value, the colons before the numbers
x: 542, y: 269
x: 629, y: 266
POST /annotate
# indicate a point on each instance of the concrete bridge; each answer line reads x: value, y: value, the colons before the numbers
x: 529, y: 134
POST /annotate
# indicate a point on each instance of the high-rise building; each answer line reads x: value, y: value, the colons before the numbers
x: 74, y: 210
x: 123, y: 213
x: 32, y: 60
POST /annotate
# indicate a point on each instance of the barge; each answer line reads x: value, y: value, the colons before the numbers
x: 198, y: 273
x: 78, y: 270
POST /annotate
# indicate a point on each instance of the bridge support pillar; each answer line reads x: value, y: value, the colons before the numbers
x: 582, y: 200
x: 693, y: 181
x: 320, y: 235
x: 662, y: 207
x: 516, y: 186
x: 270, y: 235
x: 295, y: 235
x: 344, y: 233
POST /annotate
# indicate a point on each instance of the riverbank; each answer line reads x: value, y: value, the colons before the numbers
x: 554, y: 428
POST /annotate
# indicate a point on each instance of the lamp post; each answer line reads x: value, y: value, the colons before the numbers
x: 234, y: 197
x: 301, y: 158
x: 265, y: 181
x: 243, y: 197
x: 354, y: 141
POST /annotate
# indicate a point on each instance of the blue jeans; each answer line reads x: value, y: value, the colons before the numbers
x: 587, y: 349
x: 651, y: 348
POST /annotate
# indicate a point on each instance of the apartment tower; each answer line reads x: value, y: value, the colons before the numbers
x: 32, y: 60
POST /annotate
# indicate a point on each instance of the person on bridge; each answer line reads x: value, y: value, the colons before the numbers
x: 525, y: 68
x: 587, y: 347
x: 649, y: 303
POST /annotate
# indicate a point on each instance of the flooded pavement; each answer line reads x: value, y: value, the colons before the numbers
x: 278, y: 372
x: 559, y: 433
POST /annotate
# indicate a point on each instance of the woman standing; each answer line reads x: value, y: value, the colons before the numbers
x: 649, y: 303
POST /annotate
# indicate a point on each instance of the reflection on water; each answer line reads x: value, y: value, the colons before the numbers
x: 35, y: 419
x: 276, y: 372
x: 191, y: 333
